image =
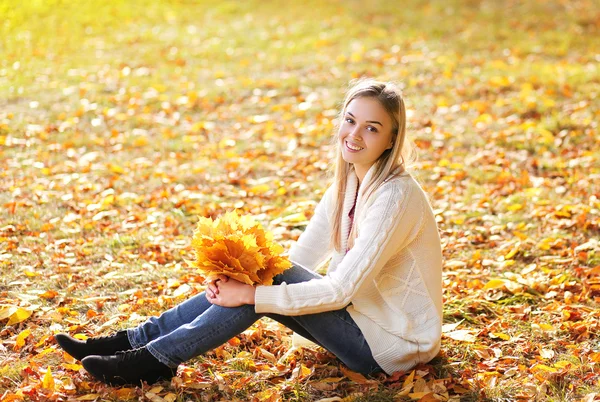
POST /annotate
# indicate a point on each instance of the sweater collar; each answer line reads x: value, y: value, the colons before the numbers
x: 349, y: 197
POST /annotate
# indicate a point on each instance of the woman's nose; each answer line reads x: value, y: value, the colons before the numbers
x: 355, y: 132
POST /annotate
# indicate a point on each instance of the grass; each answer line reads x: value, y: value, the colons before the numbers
x: 159, y: 100
x: 377, y: 396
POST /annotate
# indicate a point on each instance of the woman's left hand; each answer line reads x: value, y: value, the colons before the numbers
x: 232, y: 293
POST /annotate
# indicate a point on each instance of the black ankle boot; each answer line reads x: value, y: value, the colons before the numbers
x: 101, y: 346
x: 130, y: 367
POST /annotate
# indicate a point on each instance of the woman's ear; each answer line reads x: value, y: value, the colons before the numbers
x: 391, y: 145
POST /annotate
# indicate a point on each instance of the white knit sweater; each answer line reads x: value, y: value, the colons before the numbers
x: 392, y: 276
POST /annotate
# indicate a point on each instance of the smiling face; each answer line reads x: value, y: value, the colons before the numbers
x: 365, y: 133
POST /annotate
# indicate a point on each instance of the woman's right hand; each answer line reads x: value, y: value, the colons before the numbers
x: 212, y: 290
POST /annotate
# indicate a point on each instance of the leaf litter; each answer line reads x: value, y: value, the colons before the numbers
x: 117, y: 130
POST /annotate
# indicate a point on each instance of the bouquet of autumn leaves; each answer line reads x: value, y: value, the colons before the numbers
x: 237, y: 247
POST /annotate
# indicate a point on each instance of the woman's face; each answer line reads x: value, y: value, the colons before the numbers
x: 365, y: 132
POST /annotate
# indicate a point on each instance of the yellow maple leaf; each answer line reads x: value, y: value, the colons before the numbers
x: 18, y: 316
x: 48, y: 380
x: 494, y: 284
x: 74, y: 367
x: 20, y: 341
x: 238, y: 247
x: 88, y: 397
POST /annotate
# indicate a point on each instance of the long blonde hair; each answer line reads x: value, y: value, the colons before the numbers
x: 392, y: 161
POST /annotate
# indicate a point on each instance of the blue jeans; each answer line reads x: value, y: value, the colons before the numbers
x: 197, y: 326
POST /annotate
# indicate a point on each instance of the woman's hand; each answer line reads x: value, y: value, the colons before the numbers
x: 230, y: 293
x: 211, y: 286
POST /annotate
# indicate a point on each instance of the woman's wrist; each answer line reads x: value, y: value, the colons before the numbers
x: 251, y: 298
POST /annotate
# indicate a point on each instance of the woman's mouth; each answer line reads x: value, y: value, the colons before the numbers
x: 352, y: 148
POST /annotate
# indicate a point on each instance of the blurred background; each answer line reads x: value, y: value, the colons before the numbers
x: 122, y: 121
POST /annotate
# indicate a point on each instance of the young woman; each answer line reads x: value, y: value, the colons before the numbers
x: 379, y: 307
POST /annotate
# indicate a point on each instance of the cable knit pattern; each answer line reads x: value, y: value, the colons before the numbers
x: 390, y: 280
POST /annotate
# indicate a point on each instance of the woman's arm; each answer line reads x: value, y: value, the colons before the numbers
x: 311, y: 249
x: 391, y: 222
x: 313, y: 245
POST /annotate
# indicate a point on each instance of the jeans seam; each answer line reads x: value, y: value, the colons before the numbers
x: 347, y: 320
x: 217, y: 330
x: 193, y: 345
x: 132, y: 339
x: 160, y: 357
x: 341, y: 317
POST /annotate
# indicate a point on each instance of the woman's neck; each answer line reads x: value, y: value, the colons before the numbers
x: 361, y: 172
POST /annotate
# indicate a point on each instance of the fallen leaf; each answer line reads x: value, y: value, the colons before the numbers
x: 88, y: 397
x: 464, y: 335
x: 547, y: 353
x: 419, y: 395
x: 14, y: 314
x: 125, y: 393
x: 495, y: 284
x: 74, y: 367
x: 267, y: 355
x: 543, y: 367
x: 20, y: 341
x: 450, y: 327
x: 155, y: 390
x: 170, y: 397
x: 49, y: 294
x: 300, y: 372
x: 8, y: 397
x: 48, y: 380
x: 504, y: 337
x: 354, y: 376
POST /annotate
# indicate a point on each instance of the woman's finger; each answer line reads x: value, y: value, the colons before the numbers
x: 213, y: 287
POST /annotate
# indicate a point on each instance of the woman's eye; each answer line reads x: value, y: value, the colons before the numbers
x: 349, y: 120
x: 372, y: 129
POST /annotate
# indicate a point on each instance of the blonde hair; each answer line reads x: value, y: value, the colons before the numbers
x: 392, y: 162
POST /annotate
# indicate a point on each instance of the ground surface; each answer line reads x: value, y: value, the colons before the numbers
x: 122, y: 121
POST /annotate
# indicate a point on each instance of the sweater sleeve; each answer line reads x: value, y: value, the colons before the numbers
x: 390, y: 224
x: 312, y: 247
